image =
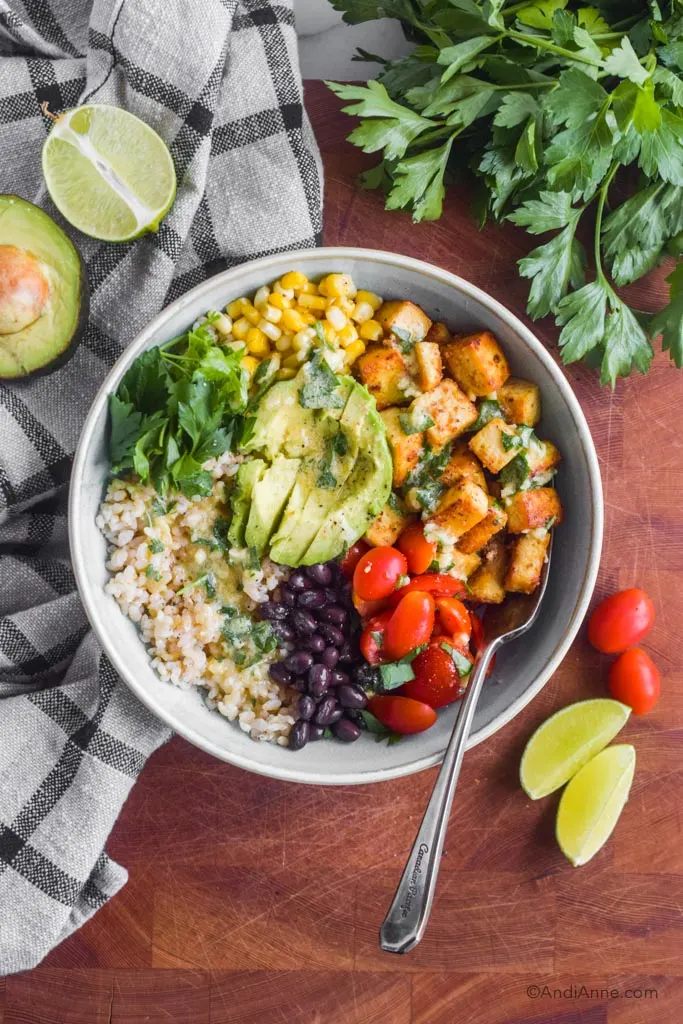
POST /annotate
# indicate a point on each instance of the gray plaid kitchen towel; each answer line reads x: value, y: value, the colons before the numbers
x: 218, y: 79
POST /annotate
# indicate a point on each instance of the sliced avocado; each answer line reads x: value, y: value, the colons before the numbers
x: 268, y: 499
x: 43, y: 291
x: 248, y: 475
x: 281, y: 544
x: 283, y: 426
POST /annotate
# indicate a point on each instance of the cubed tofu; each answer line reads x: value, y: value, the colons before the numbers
x: 460, y: 508
x: 464, y: 564
x: 487, y: 444
x: 543, y: 457
x: 492, y: 523
x: 477, y: 362
x: 438, y: 333
x: 389, y: 525
x: 528, y: 510
x: 383, y: 370
x: 450, y: 409
x: 429, y: 365
x: 463, y: 465
x: 488, y: 583
x: 520, y: 401
x: 405, y: 316
x: 405, y: 448
x: 526, y: 563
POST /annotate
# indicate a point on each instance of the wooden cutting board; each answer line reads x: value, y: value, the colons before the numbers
x: 253, y: 901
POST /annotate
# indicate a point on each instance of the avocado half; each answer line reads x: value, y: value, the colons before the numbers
x: 44, y: 296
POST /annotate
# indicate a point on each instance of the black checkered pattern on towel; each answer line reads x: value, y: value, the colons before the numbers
x: 218, y: 79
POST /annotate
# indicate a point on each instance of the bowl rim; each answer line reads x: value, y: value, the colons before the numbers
x: 266, y: 265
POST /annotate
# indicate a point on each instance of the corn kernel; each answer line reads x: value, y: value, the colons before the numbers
x: 249, y: 364
x: 286, y: 293
x: 261, y: 296
x: 312, y: 301
x: 336, y: 285
x: 234, y: 309
x: 374, y: 300
x: 284, y: 343
x: 308, y: 318
x: 257, y: 343
x: 330, y: 334
x: 302, y: 356
x: 353, y: 351
x: 303, y: 340
x: 309, y: 288
x: 240, y: 328
x: 252, y: 314
x: 280, y: 301
x: 362, y: 312
x: 272, y: 314
x: 293, y: 279
x: 291, y: 361
x: 275, y: 361
x: 292, y: 320
x: 346, y: 304
x: 270, y: 330
x: 223, y: 325
x: 371, y: 330
x: 347, y: 336
x: 286, y: 373
x: 336, y: 318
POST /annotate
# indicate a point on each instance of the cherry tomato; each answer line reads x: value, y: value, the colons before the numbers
x: 352, y: 557
x: 634, y: 679
x: 372, y: 648
x: 438, y: 584
x: 410, y: 625
x: 437, y: 681
x: 366, y: 609
x: 401, y: 714
x: 454, y: 617
x: 419, y: 552
x: 377, y: 573
x: 621, y: 621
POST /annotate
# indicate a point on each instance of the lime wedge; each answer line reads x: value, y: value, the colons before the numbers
x: 568, y: 740
x: 108, y: 172
x: 592, y: 802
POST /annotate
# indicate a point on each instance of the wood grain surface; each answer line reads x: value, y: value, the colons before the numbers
x: 258, y: 902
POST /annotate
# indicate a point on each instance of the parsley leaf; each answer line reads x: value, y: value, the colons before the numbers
x: 412, y: 424
x: 515, y: 473
x: 553, y: 268
x: 320, y: 390
x: 379, y: 731
x: 155, y: 546
x: 152, y: 574
x: 386, y: 125
x: 669, y: 323
x: 488, y: 409
x: 623, y: 61
x: 404, y: 338
x: 419, y: 180
x: 461, y: 662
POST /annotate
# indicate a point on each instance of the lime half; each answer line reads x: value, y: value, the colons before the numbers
x: 592, y: 802
x: 108, y: 172
x: 568, y: 740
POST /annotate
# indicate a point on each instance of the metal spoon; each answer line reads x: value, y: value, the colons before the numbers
x: 407, y: 918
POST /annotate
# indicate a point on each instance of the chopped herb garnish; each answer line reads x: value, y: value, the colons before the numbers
x: 515, y: 473
x: 434, y: 565
x: 377, y: 637
x: 462, y: 664
x: 236, y: 629
x: 193, y: 584
x: 404, y: 338
x: 412, y: 423
x: 510, y: 441
x: 428, y: 495
x: 395, y: 673
x: 206, y: 542
x: 155, y: 546
x: 210, y: 585
x: 340, y: 444
x: 394, y: 504
x: 550, y: 523
x: 220, y: 533
x: 379, y: 731
x: 152, y: 574
x: 402, y: 581
x: 320, y: 334
x: 321, y: 390
x: 253, y: 559
x: 488, y: 409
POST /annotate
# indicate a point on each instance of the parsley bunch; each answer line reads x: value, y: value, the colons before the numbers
x: 178, y: 405
x: 545, y: 103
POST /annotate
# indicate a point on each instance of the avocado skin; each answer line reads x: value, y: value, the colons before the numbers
x: 83, y: 301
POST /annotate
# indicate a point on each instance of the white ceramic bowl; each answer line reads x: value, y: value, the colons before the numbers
x: 522, y: 668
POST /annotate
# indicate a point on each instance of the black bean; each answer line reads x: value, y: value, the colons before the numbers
x: 273, y: 610
x: 345, y: 591
x: 298, y: 662
x: 316, y: 732
x: 334, y: 636
x: 331, y: 596
x: 329, y: 657
x: 340, y: 678
x: 318, y: 680
x: 320, y: 574
x: 279, y: 673
x: 283, y: 631
x: 348, y: 652
x: 297, y: 581
x: 335, y: 614
x: 305, y: 707
x: 314, y: 643
x: 302, y: 621
x: 351, y: 696
x: 287, y: 596
x: 311, y: 599
x: 299, y: 735
x: 346, y: 730
x: 328, y: 711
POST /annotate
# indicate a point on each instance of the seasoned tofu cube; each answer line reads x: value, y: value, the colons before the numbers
x: 491, y: 449
x: 520, y: 401
x: 529, y: 510
x: 403, y: 316
x: 493, y: 522
x: 526, y: 562
x: 383, y: 370
x: 438, y: 333
x: 405, y: 448
x: 488, y: 583
x: 463, y: 464
x: 451, y: 411
x: 429, y: 365
x: 460, y: 508
x: 477, y: 362
x: 389, y: 524
x: 463, y: 563
x: 542, y: 457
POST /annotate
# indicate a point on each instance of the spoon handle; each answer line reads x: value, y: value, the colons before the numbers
x: 406, y: 920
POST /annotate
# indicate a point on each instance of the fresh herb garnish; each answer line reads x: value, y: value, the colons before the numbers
x: 210, y: 585
x: 515, y: 473
x: 321, y: 387
x: 377, y: 637
x: 194, y: 583
x: 236, y: 628
x: 394, y: 504
x: 395, y: 673
x: 462, y: 664
x: 488, y: 409
x: 428, y: 495
x: 405, y: 339
x: 379, y: 731
x: 220, y: 533
x: 155, y: 546
x: 510, y: 441
x: 415, y: 424
x: 253, y: 561
x: 264, y: 637
x: 152, y: 574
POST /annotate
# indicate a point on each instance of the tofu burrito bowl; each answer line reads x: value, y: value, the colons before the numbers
x: 314, y: 493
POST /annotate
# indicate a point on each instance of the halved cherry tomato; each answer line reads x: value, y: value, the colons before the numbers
x: 454, y: 617
x: 419, y: 552
x: 634, y: 679
x: 621, y: 621
x: 438, y: 584
x: 366, y: 609
x: 372, y: 648
x: 410, y: 625
x: 437, y: 681
x: 377, y: 572
x: 352, y: 558
x: 401, y: 714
